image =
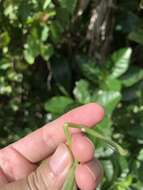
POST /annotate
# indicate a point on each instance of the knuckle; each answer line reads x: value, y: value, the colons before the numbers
x: 6, y: 165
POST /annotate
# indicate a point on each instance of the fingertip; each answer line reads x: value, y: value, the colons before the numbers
x: 97, y: 108
x: 89, y: 175
x: 82, y: 148
x: 88, y: 114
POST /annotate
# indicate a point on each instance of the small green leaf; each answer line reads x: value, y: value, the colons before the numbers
x: 133, y: 76
x: 70, y: 180
x: 111, y: 84
x: 108, y: 99
x: 108, y: 169
x: 137, y: 36
x: 4, y: 39
x: 46, y: 51
x: 141, y: 4
x: 81, y: 92
x: 58, y: 104
x: 120, y: 59
x: 46, y: 4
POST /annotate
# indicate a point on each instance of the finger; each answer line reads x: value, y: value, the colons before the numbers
x: 3, y: 179
x: 13, y: 165
x: 82, y: 148
x: 16, y: 167
x: 41, y: 143
x: 50, y: 175
x: 89, y: 175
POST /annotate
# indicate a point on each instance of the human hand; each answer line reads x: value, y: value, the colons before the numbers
x: 42, y: 160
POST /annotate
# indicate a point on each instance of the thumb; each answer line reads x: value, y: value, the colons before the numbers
x: 51, y: 174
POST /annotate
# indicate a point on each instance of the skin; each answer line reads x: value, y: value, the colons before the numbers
x: 19, y: 162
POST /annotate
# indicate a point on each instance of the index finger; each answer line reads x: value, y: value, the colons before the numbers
x: 41, y: 143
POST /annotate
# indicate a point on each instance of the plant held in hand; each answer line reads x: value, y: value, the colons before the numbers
x: 70, y: 181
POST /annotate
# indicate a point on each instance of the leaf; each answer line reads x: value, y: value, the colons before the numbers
x: 137, y: 36
x: 120, y: 59
x: 134, y: 92
x: 32, y: 46
x: 46, y: 51
x: 29, y: 57
x: 133, y: 76
x: 56, y: 31
x: 104, y: 126
x: 140, y: 155
x: 136, y: 132
x: 108, y: 99
x: 44, y: 33
x: 141, y: 4
x: 58, y: 104
x: 46, y: 4
x: 4, y: 39
x: 81, y: 92
x: 111, y: 84
x: 70, y: 5
x: 108, y: 169
x: 70, y: 180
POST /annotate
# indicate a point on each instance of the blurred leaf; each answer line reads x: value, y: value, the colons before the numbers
x: 108, y: 169
x: 136, y: 132
x: 46, y: 4
x: 56, y: 31
x: 108, y: 99
x: 45, y: 33
x: 81, y: 92
x: 133, y: 92
x: 104, y: 126
x: 58, y: 104
x: 111, y: 84
x: 69, y: 5
x: 46, y: 51
x: 123, y: 183
x: 121, y: 59
x: 141, y: 4
x: 4, y: 39
x: 137, y: 36
x: 90, y: 69
x: 133, y: 76
x: 140, y: 155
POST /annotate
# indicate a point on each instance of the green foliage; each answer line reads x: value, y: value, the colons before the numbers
x: 52, y: 60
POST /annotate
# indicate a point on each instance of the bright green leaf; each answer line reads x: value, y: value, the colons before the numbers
x: 111, y: 84
x: 109, y: 99
x: 108, y: 169
x: 46, y: 4
x: 81, y: 92
x: 121, y: 60
x: 58, y: 104
x: 46, y: 51
x: 137, y: 36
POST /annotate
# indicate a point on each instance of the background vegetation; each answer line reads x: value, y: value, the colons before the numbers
x: 58, y: 54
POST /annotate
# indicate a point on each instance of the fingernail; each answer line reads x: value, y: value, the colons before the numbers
x: 95, y: 168
x: 61, y: 160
